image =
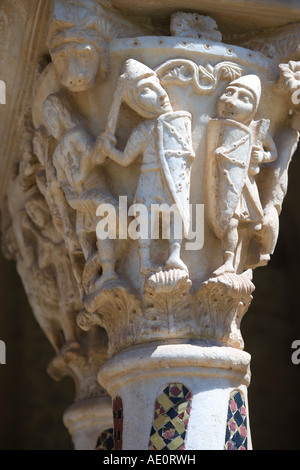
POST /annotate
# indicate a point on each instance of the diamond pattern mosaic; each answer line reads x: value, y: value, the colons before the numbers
x: 236, y: 430
x: 118, y: 423
x: 106, y: 440
x: 171, y: 417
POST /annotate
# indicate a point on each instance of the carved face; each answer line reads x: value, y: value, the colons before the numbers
x: 51, y: 116
x: 38, y: 216
x: 152, y: 97
x: 237, y: 103
x: 76, y: 65
x: 57, y: 117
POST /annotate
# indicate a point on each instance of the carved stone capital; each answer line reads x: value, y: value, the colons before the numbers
x: 147, y: 179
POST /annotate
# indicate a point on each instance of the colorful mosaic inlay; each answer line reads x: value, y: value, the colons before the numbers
x: 118, y: 422
x: 171, y: 417
x: 236, y: 430
x: 106, y: 440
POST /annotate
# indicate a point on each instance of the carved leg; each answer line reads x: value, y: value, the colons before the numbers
x: 68, y: 324
x: 147, y: 266
x: 145, y: 256
x: 87, y: 242
x: 107, y: 255
x: 230, y: 243
x: 174, y: 261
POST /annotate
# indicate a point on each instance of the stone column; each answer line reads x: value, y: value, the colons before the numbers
x: 151, y: 177
x: 179, y: 396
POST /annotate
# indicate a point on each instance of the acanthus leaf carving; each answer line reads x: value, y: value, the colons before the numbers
x: 117, y: 308
x: 223, y: 301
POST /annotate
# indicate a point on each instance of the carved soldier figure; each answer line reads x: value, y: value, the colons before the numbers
x: 164, y: 141
x: 83, y: 183
x: 237, y: 147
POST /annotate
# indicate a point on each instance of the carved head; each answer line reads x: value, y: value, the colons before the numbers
x: 240, y: 100
x: 78, y: 56
x: 58, y: 116
x: 38, y: 211
x: 195, y: 26
x: 143, y: 91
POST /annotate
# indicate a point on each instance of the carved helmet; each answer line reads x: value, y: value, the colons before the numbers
x: 127, y: 90
x: 134, y: 72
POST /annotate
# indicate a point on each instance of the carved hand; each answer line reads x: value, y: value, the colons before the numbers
x: 258, y: 154
x: 104, y: 145
x: 257, y: 158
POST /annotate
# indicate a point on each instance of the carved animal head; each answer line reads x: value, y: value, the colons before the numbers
x: 79, y: 57
x: 195, y: 26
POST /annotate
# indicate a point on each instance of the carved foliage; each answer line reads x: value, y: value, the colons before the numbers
x: 117, y: 308
x: 204, y: 80
x: 196, y: 26
x: 222, y: 303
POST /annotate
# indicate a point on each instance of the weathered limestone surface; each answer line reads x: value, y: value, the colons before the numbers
x: 145, y: 165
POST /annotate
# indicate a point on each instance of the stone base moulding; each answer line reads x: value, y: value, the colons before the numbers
x: 175, y: 385
x: 87, y: 421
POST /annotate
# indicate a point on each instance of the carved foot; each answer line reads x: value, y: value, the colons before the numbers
x: 105, y: 278
x: 227, y: 267
x: 147, y: 270
x: 57, y: 367
x: 86, y: 320
x: 176, y: 263
x: 92, y: 278
x: 169, y: 281
x: 92, y: 301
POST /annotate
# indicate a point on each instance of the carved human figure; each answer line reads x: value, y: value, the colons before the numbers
x: 83, y: 182
x: 47, y: 274
x: 237, y: 147
x: 164, y: 141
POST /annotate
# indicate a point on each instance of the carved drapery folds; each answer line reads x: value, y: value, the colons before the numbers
x: 150, y: 182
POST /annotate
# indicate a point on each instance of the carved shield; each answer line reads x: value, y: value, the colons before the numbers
x: 228, y: 158
x: 176, y: 155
